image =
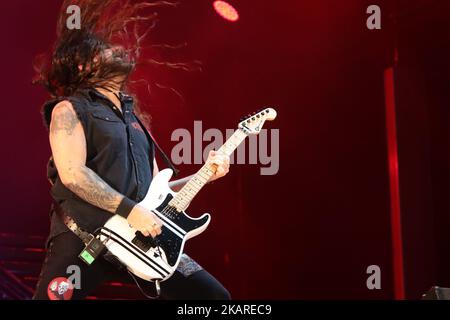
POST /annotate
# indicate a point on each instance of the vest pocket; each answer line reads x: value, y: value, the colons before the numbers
x: 107, y: 130
x: 106, y: 116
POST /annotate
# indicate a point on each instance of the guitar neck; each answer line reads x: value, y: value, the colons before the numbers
x: 196, y: 183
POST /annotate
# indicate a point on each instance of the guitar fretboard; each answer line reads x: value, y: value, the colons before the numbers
x: 196, y: 183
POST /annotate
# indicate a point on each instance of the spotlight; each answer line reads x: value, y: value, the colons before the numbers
x: 226, y: 11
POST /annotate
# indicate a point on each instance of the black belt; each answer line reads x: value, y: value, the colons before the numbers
x: 85, y: 236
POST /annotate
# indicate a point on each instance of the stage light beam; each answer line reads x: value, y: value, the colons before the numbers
x: 226, y: 11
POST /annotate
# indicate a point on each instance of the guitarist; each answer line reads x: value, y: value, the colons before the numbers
x: 102, y: 161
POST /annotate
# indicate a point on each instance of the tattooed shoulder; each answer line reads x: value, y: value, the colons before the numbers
x: 63, y: 118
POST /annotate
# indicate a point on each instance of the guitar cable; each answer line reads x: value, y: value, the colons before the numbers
x: 157, y: 286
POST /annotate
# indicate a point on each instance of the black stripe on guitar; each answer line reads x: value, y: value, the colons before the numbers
x: 169, y: 223
x: 135, y: 251
x: 131, y: 246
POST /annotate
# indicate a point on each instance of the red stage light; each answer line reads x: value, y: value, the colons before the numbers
x: 226, y: 10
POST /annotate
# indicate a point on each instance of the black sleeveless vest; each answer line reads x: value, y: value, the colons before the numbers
x: 119, y: 150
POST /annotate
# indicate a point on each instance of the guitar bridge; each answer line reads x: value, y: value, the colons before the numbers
x: 142, y: 242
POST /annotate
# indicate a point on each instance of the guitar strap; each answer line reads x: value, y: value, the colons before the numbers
x: 159, y: 149
x: 85, y: 236
x: 121, y: 97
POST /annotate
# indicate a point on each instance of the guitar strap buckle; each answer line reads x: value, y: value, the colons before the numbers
x: 85, y: 236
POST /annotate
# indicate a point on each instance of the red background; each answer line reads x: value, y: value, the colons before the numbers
x: 308, y: 232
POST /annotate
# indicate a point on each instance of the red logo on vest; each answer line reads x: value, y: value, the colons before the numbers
x: 137, y: 126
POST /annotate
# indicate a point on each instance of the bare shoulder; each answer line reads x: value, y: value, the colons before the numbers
x: 63, y: 107
x: 64, y: 118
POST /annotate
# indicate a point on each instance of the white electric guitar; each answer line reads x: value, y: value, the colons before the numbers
x: 157, y: 258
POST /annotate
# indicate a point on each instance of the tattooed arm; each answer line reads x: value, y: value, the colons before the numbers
x: 68, y: 143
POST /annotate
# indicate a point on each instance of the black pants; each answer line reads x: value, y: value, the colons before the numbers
x: 64, y: 250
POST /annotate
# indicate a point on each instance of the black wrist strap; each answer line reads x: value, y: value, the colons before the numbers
x: 125, y: 207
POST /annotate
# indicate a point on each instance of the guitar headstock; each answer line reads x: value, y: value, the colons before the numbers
x: 253, y: 123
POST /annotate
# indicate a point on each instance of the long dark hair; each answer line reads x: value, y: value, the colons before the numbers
x: 78, y: 61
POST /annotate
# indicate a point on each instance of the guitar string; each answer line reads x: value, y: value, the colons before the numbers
x: 169, y: 209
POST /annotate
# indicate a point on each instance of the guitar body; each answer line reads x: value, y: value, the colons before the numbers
x: 153, y: 258
x: 157, y: 258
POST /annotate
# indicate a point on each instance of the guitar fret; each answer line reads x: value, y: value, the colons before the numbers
x: 196, y: 182
x: 201, y: 177
x: 188, y: 194
x: 195, y: 189
x: 193, y: 186
x: 205, y: 176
